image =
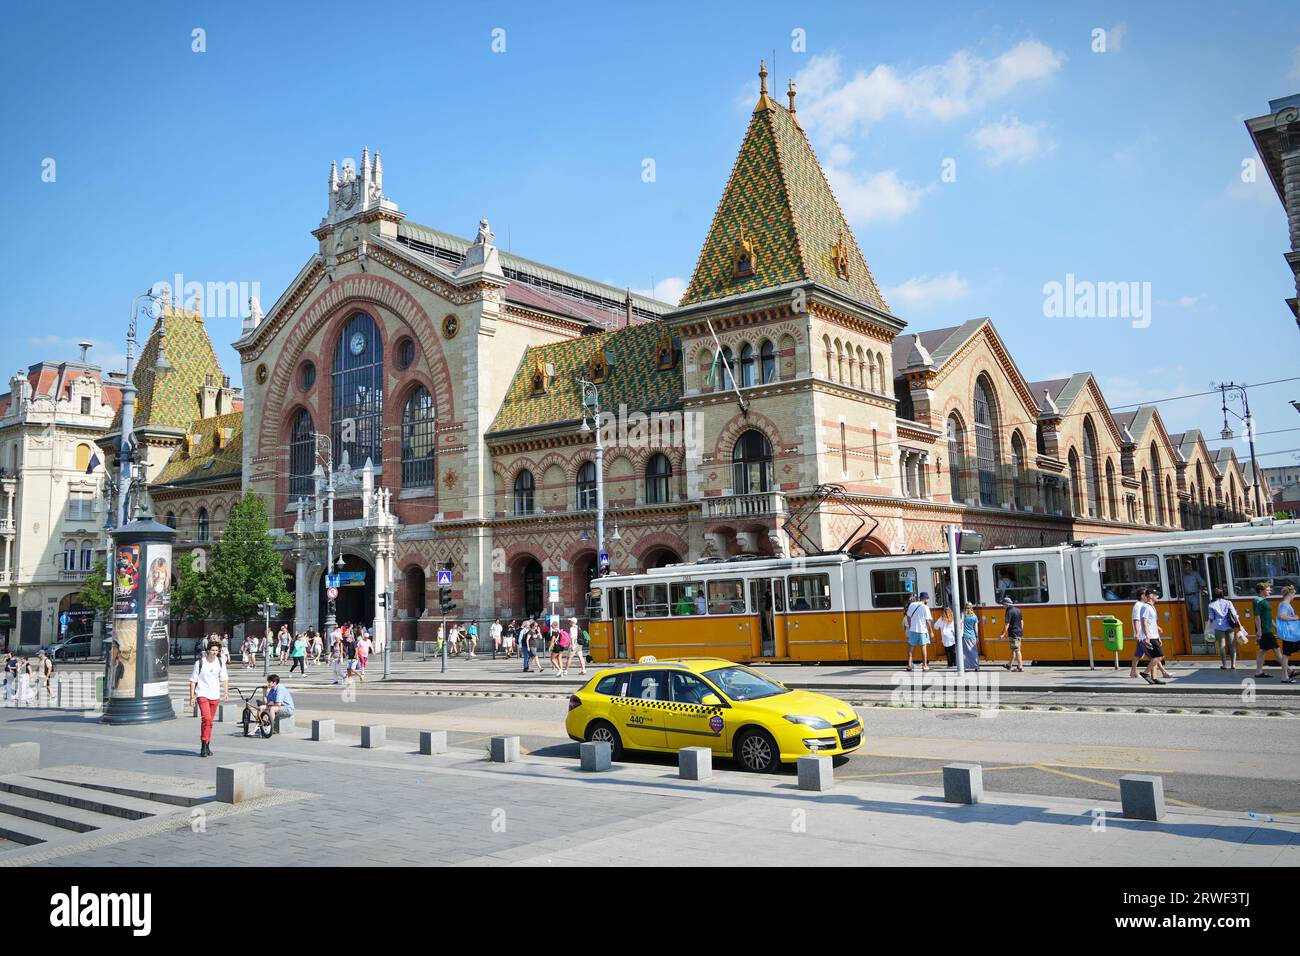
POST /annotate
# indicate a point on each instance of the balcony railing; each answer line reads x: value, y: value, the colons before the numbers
x: 74, y: 575
x: 760, y: 505
x: 6, y: 525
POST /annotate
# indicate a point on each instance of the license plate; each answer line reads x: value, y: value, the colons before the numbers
x: 853, y: 734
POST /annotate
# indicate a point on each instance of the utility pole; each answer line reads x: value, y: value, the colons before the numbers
x: 1249, y: 422
x: 591, y: 399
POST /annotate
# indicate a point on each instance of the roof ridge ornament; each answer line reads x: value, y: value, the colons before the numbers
x: 764, y: 103
x: 790, y: 93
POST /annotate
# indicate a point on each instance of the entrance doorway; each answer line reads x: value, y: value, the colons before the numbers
x: 767, y: 598
x: 619, y: 598
x: 356, y: 601
x: 532, y: 588
x: 970, y: 587
x: 1192, y: 580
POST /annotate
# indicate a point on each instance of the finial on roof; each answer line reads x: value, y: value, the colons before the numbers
x: 1049, y: 404
x: 763, y: 102
x: 790, y: 93
x: 379, y: 172
x: 334, y: 177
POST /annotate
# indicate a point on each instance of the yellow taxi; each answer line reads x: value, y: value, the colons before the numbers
x: 734, y: 710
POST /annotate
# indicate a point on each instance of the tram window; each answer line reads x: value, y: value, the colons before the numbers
x: 810, y: 592
x: 1122, y: 578
x: 688, y: 599
x: 727, y: 597
x: 594, y: 609
x: 893, y: 587
x: 1278, y: 566
x: 1024, y: 583
x: 650, y: 600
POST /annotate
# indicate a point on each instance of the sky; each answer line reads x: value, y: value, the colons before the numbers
x: 982, y: 152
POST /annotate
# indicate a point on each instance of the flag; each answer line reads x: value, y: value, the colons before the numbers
x: 708, y: 379
x: 93, y: 463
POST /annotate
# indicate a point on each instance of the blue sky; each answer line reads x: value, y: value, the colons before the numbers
x: 1122, y: 166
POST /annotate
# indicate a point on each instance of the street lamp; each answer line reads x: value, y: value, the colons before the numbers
x: 1249, y: 422
x: 126, y: 441
x: 591, y: 401
x: 327, y: 475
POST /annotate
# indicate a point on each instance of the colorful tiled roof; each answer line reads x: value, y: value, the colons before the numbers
x: 634, y: 379
x: 174, y: 400
x: 779, y: 196
x: 203, y: 460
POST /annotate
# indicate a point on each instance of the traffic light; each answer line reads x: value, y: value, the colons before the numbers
x: 444, y: 600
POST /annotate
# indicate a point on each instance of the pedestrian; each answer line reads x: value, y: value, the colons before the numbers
x: 525, y: 651
x: 495, y: 632
x: 440, y: 638
x: 948, y: 635
x: 336, y: 661
x: 1139, y: 631
x: 575, y: 647
x: 44, y: 671
x: 1014, y: 632
x: 26, y: 683
x: 472, y: 638
x: 263, y: 645
x: 11, y: 676
x: 1288, y: 626
x: 364, y: 648
x: 209, y: 684
x: 225, y: 650
x: 1147, y: 624
x: 970, y: 641
x: 508, y: 638
x: 559, y: 641
x: 1266, y: 634
x: 1226, y: 624
x: 299, y: 655
x: 918, y: 623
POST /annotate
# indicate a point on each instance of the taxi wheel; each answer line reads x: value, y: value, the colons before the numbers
x: 756, y: 752
x: 602, y: 732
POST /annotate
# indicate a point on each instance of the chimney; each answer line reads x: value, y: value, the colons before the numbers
x: 85, y: 351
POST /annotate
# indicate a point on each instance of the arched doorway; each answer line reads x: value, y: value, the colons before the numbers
x: 531, y: 573
x: 356, y: 601
x: 661, y: 558
x: 867, y: 546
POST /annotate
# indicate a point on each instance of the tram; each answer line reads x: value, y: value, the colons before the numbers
x: 839, y: 608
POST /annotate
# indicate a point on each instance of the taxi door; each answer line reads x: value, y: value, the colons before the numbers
x: 642, y: 711
x: 690, y: 723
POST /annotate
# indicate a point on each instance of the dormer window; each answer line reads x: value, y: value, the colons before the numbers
x: 540, y: 379
x: 743, y: 256
x: 598, y: 368
x: 840, y: 255
x: 666, y: 352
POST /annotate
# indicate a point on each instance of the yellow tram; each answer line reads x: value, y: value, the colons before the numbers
x: 839, y: 608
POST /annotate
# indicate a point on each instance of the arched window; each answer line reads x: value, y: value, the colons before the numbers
x: 751, y: 464
x: 830, y: 361
x: 418, y: 440
x: 1091, y: 477
x: 767, y: 356
x: 747, y: 371
x: 1110, y: 492
x: 956, y: 457
x: 728, y: 368
x: 171, y: 520
x: 1146, y: 498
x: 83, y: 459
x: 1076, y: 486
x: 302, y: 455
x: 1169, y: 498
x: 524, y: 493
x: 1159, y: 485
x: 986, y: 443
x: 839, y: 361
x: 1018, y: 469
x: 70, y: 556
x: 415, y: 596
x: 587, y: 486
x: 203, y: 524
x: 87, y: 552
x: 658, y: 473
x: 357, y: 405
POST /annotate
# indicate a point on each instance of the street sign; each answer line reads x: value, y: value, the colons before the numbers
x: 553, y: 586
x: 604, y: 557
x: 332, y: 593
x: 444, y: 579
x: 65, y: 618
x: 331, y: 580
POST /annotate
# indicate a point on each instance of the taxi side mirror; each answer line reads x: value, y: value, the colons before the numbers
x: 711, y: 700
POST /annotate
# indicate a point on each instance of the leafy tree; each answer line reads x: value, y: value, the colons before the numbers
x: 191, y: 597
x: 245, y: 568
x: 95, y: 594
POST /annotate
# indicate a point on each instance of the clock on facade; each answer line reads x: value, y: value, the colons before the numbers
x: 450, y: 326
x: 358, y: 343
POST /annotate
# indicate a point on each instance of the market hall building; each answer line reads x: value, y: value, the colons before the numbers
x: 437, y: 381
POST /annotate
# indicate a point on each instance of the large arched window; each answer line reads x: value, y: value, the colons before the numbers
x: 956, y: 457
x: 87, y: 554
x: 747, y: 371
x: 302, y: 455
x: 658, y: 473
x: 357, y: 405
x: 587, y: 486
x: 728, y: 368
x: 986, y: 443
x: 1091, y: 476
x: 203, y: 524
x: 524, y: 493
x: 1018, y: 469
x: 1076, y: 485
x: 417, y: 440
x: 1146, y: 498
x: 751, y: 464
x: 1111, y: 504
x: 767, y: 354
x: 1158, y: 483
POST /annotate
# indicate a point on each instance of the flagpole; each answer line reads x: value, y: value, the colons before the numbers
x: 726, y: 365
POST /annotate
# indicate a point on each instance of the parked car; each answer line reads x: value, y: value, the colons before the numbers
x: 76, y: 647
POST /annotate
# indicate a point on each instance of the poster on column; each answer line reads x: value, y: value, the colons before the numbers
x: 122, y: 658
x: 156, y: 642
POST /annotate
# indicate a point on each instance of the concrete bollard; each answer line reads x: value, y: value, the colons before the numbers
x: 815, y: 773
x: 1142, y: 796
x: 433, y: 742
x: 237, y: 782
x: 963, y: 783
x: 322, y: 729
x: 285, y: 724
x: 373, y: 736
x: 20, y: 757
x: 695, y: 763
x: 505, y: 749
x: 596, y: 756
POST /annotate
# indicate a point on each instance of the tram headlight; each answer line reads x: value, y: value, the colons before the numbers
x: 807, y: 720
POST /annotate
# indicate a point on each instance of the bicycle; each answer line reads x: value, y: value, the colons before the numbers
x: 252, y: 719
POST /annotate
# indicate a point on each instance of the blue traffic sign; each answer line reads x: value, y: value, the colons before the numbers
x: 604, y: 557
x: 444, y: 579
x: 65, y: 618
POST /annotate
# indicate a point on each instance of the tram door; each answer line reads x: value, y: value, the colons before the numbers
x: 767, y: 598
x: 970, y: 587
x: 618, y: 600
x: 1192, y: 579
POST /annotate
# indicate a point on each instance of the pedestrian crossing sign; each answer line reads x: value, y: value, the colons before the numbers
x: 444, y: 579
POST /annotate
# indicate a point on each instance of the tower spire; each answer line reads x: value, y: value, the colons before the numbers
x: 763, y: 102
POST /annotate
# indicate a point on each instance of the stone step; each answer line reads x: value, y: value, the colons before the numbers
x: 60, y: 815
x: 29, y: 832
x: 176, y: 793
x: 84, y: 798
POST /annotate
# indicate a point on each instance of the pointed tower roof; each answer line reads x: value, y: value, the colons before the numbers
x: 174, y: 400
x: 779, y: 208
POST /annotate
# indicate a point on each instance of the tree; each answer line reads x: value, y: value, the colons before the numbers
x: 95, y: 594
x: 191, y: 597
x: 245, y: 569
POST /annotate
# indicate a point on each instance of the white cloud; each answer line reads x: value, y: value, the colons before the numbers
x: 666, y: 290
x: 1010, y: 140
x: 871, y: 197
x: 836, y: 106
x: 58, y: 348
x: 921, y: 292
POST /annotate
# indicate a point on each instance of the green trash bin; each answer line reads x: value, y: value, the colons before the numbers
x: 1112, y: 632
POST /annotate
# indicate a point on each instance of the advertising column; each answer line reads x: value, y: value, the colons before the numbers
x: 136, y: 683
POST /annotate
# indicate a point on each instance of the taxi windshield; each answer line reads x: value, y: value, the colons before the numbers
x: 741, y: 684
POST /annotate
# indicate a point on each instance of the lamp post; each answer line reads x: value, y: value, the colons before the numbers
x: 126, y: 441
x: 328, y: 477
x: 1249, y: 422
x: 591, y: 400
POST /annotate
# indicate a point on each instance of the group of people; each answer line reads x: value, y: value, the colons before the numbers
x: 24, y: 677
x: 210, y: 686
x: 919, y: 625
x: 537, y: 636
